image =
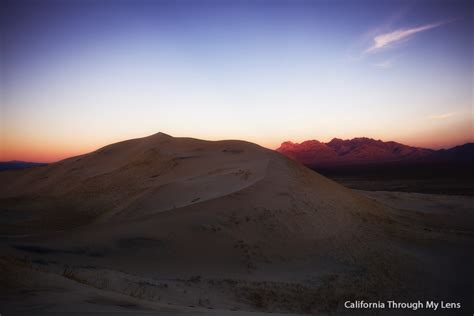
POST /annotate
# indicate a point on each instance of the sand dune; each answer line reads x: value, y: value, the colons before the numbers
x: 199, y: 225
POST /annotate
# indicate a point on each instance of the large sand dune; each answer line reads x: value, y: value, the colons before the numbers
x: 180, y: 225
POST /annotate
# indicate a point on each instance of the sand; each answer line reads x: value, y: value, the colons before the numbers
x: 185, y: 226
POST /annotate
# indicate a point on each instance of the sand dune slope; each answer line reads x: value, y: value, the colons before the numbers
x: 142, y: 177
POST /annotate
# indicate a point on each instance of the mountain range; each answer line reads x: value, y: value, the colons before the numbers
x: 366, y: 151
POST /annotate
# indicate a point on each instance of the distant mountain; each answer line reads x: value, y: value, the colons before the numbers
x: 309, y: 152
x: 461, y: 153
x: 15, y: 164
x: 366, y: 151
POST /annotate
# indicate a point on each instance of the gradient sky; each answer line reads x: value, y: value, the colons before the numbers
x: 77, y: 75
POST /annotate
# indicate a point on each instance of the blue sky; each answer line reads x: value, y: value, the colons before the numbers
x: 76, y: 75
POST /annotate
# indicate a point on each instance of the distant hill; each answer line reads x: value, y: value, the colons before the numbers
x: 461, y: 153
x: 368, y: 164
x: 15, y: 164
x: 367, y: 151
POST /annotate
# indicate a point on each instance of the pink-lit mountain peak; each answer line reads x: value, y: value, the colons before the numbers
x: 350, y: 151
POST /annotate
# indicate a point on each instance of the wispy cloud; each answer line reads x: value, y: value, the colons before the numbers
x: 441, y: 116
x: 389, y: 39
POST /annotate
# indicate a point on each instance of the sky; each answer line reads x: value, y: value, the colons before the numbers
x: 78, y: 75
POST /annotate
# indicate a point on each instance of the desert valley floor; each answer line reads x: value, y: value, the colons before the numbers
x: 180, y: 226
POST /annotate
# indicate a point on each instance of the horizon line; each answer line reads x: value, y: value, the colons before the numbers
x: 274, y: 149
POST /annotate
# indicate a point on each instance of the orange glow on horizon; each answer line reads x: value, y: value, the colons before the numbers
x: 48, y: 152
x: 46, y: 155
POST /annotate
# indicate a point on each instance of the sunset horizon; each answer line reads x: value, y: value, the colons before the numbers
x: 75, y: 77
x: 41, y: 155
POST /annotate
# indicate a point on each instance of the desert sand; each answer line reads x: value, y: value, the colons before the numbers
x: 180, y: 226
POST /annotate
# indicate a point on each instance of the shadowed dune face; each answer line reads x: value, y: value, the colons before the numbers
x: 188, y: 192
x: 169, y: 208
